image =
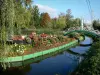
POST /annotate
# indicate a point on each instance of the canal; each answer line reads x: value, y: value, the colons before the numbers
x: 62, y: 63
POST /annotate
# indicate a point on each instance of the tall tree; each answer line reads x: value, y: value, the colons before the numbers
x: 96, y: 24
x: 36, y: 16
x: 54, y: 23
x: 6, y: 23
x: 61, y: 21
x: 7, y: 17
x: 76, y: 22
x: 27, y: 3
x: 11, y: 13
x: 68, y: 18
x: 46, y: 20
x: 23, y: 15
x: 19, y: 17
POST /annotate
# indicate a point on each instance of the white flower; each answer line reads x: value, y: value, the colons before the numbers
x: 15, y: 44
x: 17, y: 50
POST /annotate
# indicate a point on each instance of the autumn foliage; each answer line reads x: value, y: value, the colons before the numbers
x: 45, y: 20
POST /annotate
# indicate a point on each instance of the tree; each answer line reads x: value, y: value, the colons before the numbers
x: 54, y: 23
x: 46, y: 20
x: 61, y: 21
x: 36, y: 16
x: 68, y: 19
x: 27, y: 3
x: 96, y: 24
x: 90, y: 66
x: 7, y: 17
x: 76, y: 22
x: 19, y: 17
x: 6, y: 24
x: 23, y: 15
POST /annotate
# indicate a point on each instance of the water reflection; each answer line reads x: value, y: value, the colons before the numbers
x: 61, y: 64
x: 82, y: 49
x: 87, y: 40
x: 58, y: 63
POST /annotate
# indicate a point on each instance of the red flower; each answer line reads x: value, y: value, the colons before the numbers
x: 43, y: 35
x: 17, y: 37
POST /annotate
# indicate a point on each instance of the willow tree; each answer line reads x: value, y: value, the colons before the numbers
x: 2, y: 23
x: 19, y: 17
x: 23, y: 15
x: 10, y: 17
x: 6, y: 18
x: 6, y: 25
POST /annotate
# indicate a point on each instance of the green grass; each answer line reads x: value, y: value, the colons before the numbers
x: 43, y: 30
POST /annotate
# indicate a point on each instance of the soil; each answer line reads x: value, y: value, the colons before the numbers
x: 43, y: 47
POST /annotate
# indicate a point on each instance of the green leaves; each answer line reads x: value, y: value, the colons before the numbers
x: 91, y: 65
x: 96, y: 24
x: 46, y: 20
x: 35, y: 16
x: 18, y: 48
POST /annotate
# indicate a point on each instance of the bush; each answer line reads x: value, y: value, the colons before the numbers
x: 52, y: 40
x: 16, y: 48
x: 60, y: 38
x: 91, y: 65
x: 28, y: 40
x: 74, y: 35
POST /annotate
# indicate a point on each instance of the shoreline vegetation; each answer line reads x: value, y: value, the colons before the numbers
x: 19, y: 15
x: 25, y: 30
x: 45, y: 43
x: 38, y: 43
x: 90, y: 65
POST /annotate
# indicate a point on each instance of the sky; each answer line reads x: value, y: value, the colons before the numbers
x: 78, y: 8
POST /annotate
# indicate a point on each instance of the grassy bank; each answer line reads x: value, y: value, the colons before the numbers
x: 43, y: 30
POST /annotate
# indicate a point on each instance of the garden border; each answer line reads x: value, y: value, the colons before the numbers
x: 37, y: 54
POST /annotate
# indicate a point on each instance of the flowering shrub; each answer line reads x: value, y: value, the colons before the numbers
x: 74, y: 35
x: 60, y: 38
x: 19, y: 48
x: 18, y: 37
x: 52, y: 40
x: 28, y: 40
x: 43, y: 35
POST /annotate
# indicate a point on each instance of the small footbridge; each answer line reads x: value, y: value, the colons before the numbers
x: 86, y: 30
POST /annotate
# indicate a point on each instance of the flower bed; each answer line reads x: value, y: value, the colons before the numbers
x: 39, y: 43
